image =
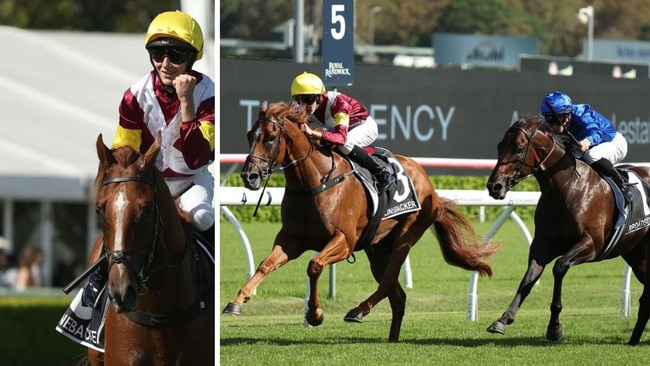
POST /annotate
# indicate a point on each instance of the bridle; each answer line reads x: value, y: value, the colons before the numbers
x: 522, y: 163
x: 120, y: 256
x: 272, y: 161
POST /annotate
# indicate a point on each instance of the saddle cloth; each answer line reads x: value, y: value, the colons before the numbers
x: 85, y: 325
x: 634, y: 216
x: 403, y: 198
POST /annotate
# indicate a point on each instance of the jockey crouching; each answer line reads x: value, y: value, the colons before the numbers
x: 346, y: 124
x: 598, y: 141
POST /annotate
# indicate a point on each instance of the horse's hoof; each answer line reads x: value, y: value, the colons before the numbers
x: 353, y: 316
x: 232, y: 308
x: 554, y: 333
x: 314, y: 318
x: 497, y: 328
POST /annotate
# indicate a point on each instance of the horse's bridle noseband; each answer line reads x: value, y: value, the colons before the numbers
x: 118, y: 256
x: 522, y: 162
x: 272, y: 161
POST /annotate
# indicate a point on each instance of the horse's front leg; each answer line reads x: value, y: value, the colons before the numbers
x: 578, y: 255
x: 643, y: 316
x: 335, y: 251
x: 276, y: 259
x: 533, y: 273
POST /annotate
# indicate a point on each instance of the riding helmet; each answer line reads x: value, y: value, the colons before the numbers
x: 175, y: 29
x: 307, y: 83
x: 560, y: 102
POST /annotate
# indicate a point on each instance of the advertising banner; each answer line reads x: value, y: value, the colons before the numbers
x: 338, y: 43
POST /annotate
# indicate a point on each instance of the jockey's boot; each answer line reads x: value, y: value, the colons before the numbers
x: 384, y: 178
x: 96, y: 283
x: 606, y: 167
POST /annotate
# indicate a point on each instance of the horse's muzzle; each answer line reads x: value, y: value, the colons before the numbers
x: 497, y: 190
x: 253, y: 174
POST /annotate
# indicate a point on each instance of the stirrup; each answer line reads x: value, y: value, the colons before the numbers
x: 384, y: 181
x: 93, y: 290
x: 626, y: 191
x: 627, y: 194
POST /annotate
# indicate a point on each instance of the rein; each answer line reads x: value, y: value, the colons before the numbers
x: 326, y: 182
x: 272, y: 161
x: 522, y: 163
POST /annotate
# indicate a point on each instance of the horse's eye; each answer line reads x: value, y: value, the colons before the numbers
x: 269, y: 139
x: 147, y: 209
x: 99, y: 209
x: 519, y: 149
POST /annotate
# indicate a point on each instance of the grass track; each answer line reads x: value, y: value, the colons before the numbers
x: 435, y: 330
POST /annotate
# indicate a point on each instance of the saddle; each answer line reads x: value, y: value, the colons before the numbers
x: 401, y: 198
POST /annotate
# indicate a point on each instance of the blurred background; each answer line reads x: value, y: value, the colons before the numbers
x: 65, y: 66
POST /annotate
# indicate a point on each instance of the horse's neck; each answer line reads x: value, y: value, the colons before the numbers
x: 561, y: 173
x: 307, y: 166
x: 311, y: 172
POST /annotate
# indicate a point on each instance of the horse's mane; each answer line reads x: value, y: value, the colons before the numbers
x: 563, y: 140
x: 288, y: 111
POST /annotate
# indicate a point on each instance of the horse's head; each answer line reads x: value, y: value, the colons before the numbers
x: 272, y: 140
x: 522, y: 151
x: 126, y: 202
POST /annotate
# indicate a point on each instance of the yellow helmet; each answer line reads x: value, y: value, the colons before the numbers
x: 178, y: 26
x: 307, y: 83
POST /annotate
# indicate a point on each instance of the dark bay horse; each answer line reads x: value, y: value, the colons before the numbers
x: 574, y: 218
x: 160, y: 289
x: 331, y: 221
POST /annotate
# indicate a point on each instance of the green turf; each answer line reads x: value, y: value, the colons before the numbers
x: 435, y: 328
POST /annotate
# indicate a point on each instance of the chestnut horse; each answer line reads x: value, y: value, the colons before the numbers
x: 331, y: 220
x: 160, y: 287
x: 575, y: 216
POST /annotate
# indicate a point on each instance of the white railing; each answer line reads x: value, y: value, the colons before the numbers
x: 233, y: 196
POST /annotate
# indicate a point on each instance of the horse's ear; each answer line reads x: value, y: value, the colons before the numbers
x: 150, y: 156
x: 103, y: 152
x: 262, y: 111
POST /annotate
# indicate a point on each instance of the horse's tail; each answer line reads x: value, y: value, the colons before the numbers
x: 458, y: 241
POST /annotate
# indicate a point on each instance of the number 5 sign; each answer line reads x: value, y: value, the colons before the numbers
x: 338, y: 42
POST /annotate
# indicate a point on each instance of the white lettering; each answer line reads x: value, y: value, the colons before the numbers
x: 636, y: 131
x: 396, y: 120
x: 412, y: 123
x: 416, y: 119
x: 639, y: 225
x: 336, y: 68
x: 444, y: 122
x: 374, y: 112
x: 410, y: 205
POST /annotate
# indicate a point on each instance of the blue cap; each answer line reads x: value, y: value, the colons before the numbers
x: 560, y: 102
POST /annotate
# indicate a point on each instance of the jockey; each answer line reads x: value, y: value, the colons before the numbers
x: 346, y: 123
x: 600, y: 145
x: 178, y: 102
